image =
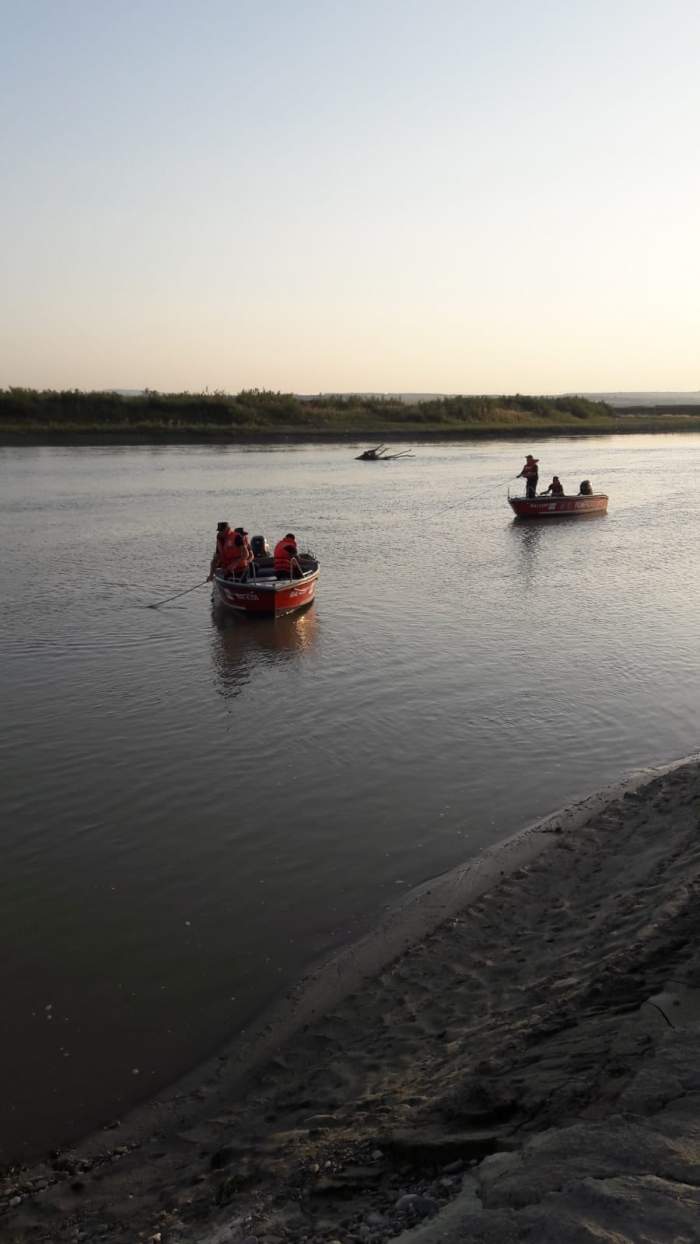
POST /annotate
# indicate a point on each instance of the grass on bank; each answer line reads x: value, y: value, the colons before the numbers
x: 30, y: 412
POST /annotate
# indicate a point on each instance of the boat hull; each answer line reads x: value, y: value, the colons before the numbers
x: 273, y: 598
x: 558, y: 507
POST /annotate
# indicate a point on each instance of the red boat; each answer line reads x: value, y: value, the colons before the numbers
x: 263, y: 593
x: 558, y: 507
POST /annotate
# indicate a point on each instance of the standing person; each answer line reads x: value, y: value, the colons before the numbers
x: 218, y: 561
x: 555, y: 488
x: 286, y: 555
x: 530, y: 473
x: 241, y: 554
x: 233, y: 553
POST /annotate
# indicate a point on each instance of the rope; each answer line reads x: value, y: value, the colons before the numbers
x: 473, y: 497
x: 177, y: 595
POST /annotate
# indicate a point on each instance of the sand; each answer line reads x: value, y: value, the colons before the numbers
x: 513, y: 1055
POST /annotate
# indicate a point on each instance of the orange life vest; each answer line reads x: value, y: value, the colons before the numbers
x: 218, y: 561
x: 285, y: 550
x: 235, y: 552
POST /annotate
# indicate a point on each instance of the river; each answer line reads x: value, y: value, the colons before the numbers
x: 197, y: 808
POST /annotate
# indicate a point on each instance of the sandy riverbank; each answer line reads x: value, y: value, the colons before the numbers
x: 527, y: 1070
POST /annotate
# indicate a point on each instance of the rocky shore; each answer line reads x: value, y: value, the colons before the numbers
x: 527, y: 1070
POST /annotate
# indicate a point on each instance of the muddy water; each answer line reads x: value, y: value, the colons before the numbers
x: 196, y: 807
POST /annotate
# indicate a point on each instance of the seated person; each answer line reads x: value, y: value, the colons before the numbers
x: 286, y: 557
x: 241, y: 554
x: 555, y: 488
x: 585, y: 490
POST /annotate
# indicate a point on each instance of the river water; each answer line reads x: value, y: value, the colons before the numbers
x: 196, y: 808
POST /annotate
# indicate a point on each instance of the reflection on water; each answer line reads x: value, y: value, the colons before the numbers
x: 527, y: 538
x: 535, y: 539
x: 242, y: 645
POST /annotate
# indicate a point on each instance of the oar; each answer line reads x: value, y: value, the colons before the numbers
x: 186, y: 592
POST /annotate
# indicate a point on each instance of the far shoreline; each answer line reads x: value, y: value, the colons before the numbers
x: 151, y: 436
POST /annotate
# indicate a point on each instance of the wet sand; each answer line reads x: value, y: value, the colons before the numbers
x: 513, y: 1055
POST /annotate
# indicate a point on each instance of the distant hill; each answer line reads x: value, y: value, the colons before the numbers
x: 662, y: 398
x: 665, y: 399
x: 646, y: 399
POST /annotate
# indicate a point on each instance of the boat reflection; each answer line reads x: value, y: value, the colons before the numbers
x: 528, y: 537
x: 244, y: 647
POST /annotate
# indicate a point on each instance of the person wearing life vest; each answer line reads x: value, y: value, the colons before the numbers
x: 286, y: 557
x: 233, y: 553
x: 555, y: 489
x: 239, y: 553
x: 530, y: 474
x: 218, y: 561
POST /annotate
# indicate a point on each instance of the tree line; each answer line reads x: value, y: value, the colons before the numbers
x: 265, y: 409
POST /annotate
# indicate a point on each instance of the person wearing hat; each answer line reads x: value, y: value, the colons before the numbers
x: 530, y: 474
x: 233, y: 553
x: 218, y: 560
x: 286, y: 557
x: 241, y: 556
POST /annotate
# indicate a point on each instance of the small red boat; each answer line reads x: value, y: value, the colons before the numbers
x: 558, y: 507
x: 263, y: 593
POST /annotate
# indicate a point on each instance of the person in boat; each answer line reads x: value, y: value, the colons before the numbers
x: 530, y: 473
x: 585, y: 490
x: 556, y: 488
x: 233, y: 554
x: 242, y: 554
x: 286, y: 556
x: 218, y: 561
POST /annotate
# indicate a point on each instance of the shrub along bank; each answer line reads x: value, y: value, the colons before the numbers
x: 263, y: 413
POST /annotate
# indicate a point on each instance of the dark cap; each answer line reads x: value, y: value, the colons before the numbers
x: 242, y: 531
x: 290, y: 536
x: 221, y: 526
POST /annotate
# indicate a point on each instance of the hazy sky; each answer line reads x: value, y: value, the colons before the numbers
x: 422, y: 195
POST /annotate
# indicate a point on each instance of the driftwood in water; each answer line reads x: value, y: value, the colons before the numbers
x: 381, y: 454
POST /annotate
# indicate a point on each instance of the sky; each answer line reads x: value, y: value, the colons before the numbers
x: 375, y: 195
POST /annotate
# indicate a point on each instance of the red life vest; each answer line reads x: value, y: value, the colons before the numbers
x: 285, y: 550
x: 218, y: 561
x: 530, y: 470
x: 235, y: 552
x: 243, y: 551
x: 220, y: 554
